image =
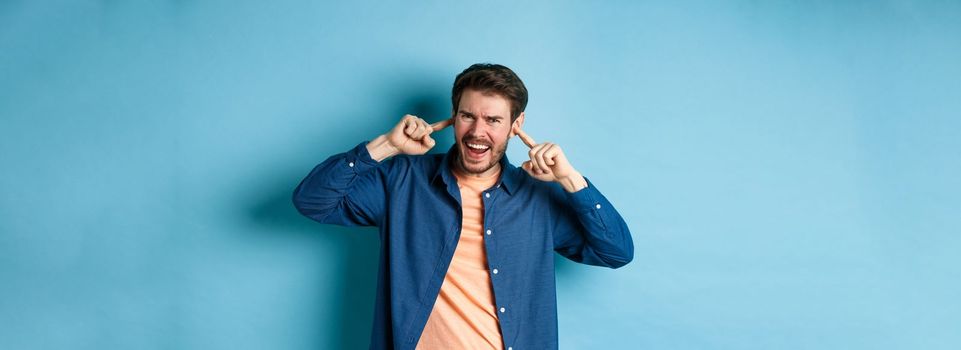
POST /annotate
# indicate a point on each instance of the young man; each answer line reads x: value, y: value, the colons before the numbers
x: 467, y: 239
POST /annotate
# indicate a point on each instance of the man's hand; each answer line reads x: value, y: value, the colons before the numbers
x: 548, y: 163
x: 410, y: 136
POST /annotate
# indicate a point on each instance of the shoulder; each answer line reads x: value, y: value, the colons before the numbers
x: 423, y: 160
x: 524, y: 182
x: 425, y: 164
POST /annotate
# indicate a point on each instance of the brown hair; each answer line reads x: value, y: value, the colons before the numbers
x: 493, y: 79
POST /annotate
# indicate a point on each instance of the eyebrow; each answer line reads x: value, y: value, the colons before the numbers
x: 472, y: 115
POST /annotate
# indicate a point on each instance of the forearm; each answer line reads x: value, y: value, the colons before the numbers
x: 380, y: 149
x: 325, y: 194
x: 604, y: 236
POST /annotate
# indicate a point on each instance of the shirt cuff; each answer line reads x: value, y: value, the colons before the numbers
x: 586, y: 199
x: 359, y: 158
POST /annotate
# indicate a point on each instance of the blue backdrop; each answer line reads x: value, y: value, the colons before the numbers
x: 790, y: 170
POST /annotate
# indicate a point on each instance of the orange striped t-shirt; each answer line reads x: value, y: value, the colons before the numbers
x: 464, y: 315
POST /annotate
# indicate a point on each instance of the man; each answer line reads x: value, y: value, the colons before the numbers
x: 467, y: 239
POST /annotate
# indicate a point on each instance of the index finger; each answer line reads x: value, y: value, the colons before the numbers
x: 525, y: 138
x: 438, y: 126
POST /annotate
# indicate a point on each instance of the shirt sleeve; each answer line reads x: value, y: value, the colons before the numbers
x: 347, y: 189
x: 587, y: 229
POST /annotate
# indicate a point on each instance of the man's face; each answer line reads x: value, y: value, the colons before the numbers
x: 482, y: 127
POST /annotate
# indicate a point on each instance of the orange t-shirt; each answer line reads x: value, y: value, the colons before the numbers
x: 464, y: 315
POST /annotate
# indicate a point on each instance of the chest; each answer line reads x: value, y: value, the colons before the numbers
x: 433, y: 218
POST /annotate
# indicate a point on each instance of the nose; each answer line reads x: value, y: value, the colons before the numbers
x: 477, y: 129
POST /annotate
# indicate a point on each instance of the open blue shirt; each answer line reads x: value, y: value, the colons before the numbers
x: 416, y: 203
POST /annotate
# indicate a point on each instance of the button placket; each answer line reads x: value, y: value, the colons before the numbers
x: 489, y: 232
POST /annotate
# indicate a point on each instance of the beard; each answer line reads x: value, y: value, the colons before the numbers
x: 492, y: 157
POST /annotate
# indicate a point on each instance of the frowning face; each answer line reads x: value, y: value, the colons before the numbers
x: 482, y: 128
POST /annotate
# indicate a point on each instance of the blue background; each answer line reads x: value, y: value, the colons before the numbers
x: 790, y: 170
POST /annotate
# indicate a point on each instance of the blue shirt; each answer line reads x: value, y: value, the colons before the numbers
x: 416, y: 203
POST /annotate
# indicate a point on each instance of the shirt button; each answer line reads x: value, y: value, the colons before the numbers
x: 510, y: 348
x: 488, y: 195
x: 495, y: 271
x: 597, y: 206
x: 488, y: 232
x: 503, y: 310
x: 351, y: 164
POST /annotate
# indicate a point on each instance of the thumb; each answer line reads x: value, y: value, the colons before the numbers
x: 527, y: 167
x: 428, y: 141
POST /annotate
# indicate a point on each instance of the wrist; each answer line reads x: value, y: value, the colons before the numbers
x: 573, y: 183
x: 380, y: 148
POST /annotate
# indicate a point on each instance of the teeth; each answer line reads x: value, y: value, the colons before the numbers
x: 476, y: 146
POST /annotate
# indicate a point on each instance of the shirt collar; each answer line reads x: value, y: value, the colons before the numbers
x: 509, y: 178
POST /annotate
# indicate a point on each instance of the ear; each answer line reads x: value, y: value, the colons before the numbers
x: 518, y: 123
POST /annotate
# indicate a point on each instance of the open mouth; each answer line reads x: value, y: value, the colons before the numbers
x: 476, y: 150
